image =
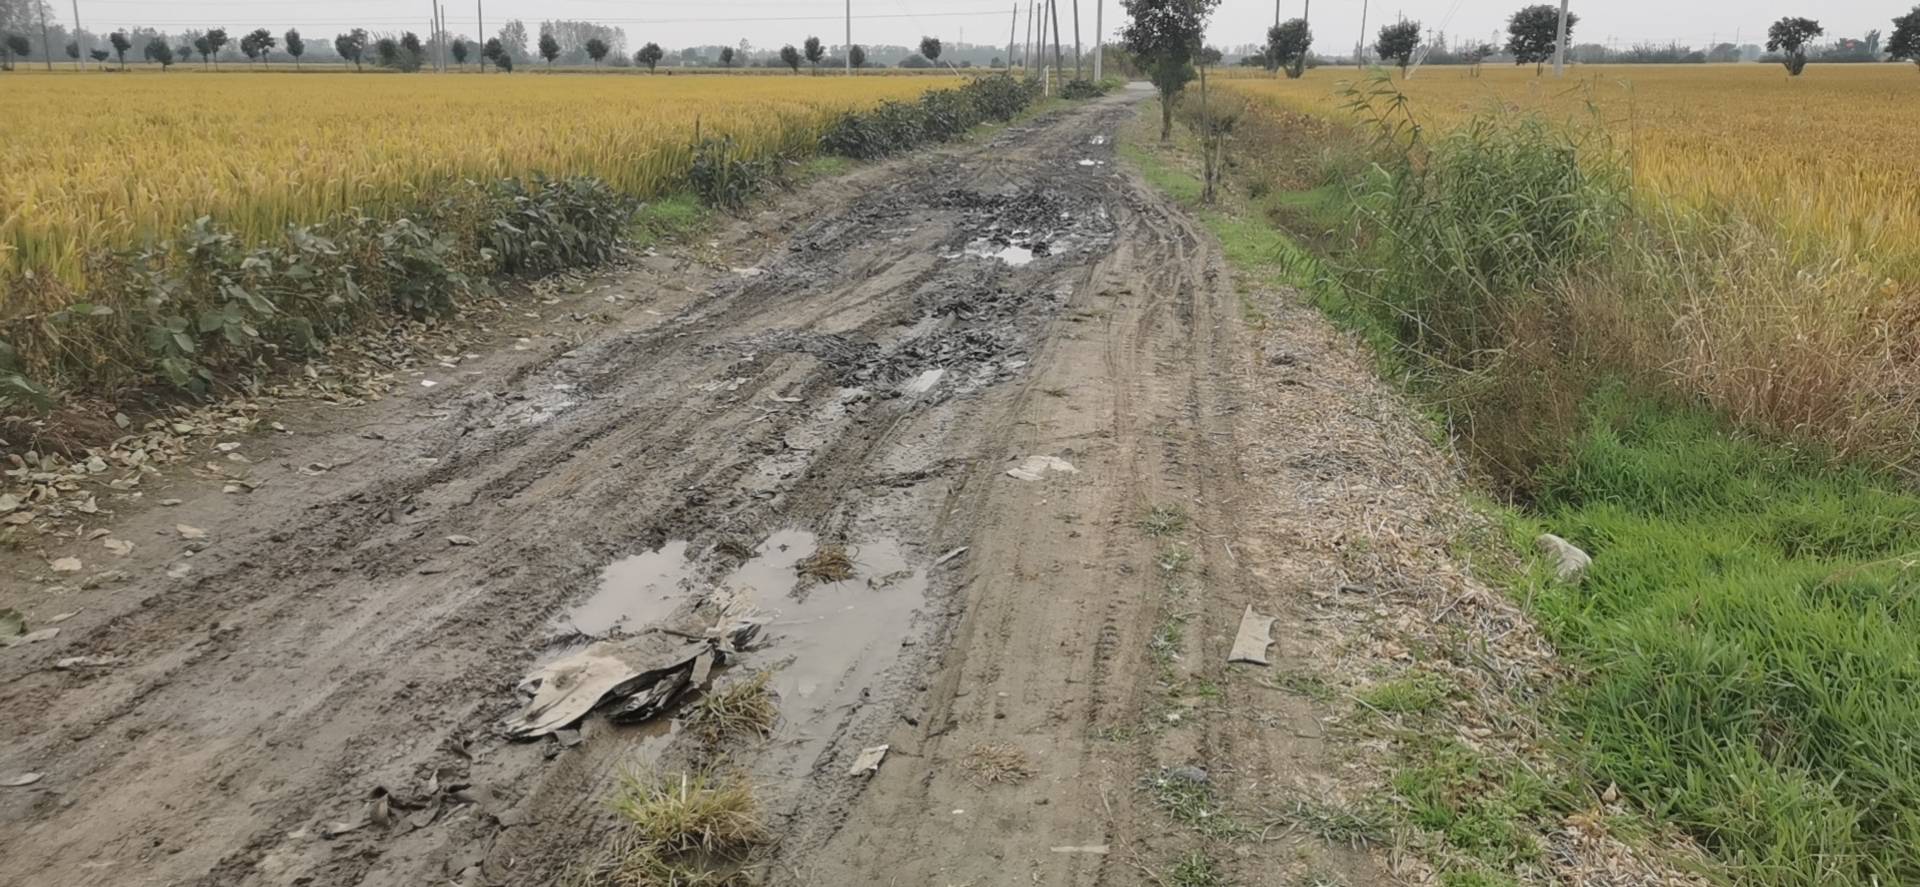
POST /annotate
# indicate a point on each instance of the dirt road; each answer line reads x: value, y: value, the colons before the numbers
x: 870, y: 359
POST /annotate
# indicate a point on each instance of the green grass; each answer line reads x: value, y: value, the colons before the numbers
x: 1163, y: 520
x: 1192, y: 804
x: 1749, y: 633
x: 1412, y: 694
x: 1744, y: 648
x: 670, y: 219
x: 1195, y: 869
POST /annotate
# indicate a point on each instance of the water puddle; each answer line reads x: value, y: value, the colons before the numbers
x: 829, y: 638
x: 823, y: 639
x: 636, y: 592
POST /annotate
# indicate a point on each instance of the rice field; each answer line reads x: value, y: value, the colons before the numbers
x: 1827, y: 155
x: 109, y: 159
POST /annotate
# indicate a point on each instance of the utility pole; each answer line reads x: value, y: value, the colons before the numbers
x: 1076, y: 40
x: 849, y: 49
x: 1026, y: 54
x: 1054, y: 7
x: 1360, y: 49
x: 80, y: 58
x: 1100, y: 39
x: 46, y: 48
x: 1013, y: 33
x: 1560, y: 44
x: 480, y: 12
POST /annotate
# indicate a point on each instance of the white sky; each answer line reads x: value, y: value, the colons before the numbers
x: 674, y: 23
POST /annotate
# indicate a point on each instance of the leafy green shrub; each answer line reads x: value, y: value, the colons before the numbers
x: 1083, y: 89
x: 944, y: 115
x: 204, y: 305
x: 724, y: 176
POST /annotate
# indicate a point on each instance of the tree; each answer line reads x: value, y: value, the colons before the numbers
x: 930, y: 47
x: 1287, y: 46
x: 201, y: 46
x: 183, y: 52
x: 121, y: 43
x: 504, y: 61
x: 352, y: 46
x: 856, y: 56
x: 100, y: 56
x: 158, y: 51
x: 73, y: 49
x: 1397, y: 43
x: 460, y: 49
x: 1478, y: 53
x: 413, y: 52
x: 217, y: 40
x: 492, y: 52
x: 597, y: 50
x: 296, y: 46
x: 791, y: 57
x: 1534, y: 33
x: 257, y: 44
x: 1164, y: 37
x: 650, y: 55
x: 726, y: 56
x: 16, y: 46
x: 1905, y: 42
x: 815, y: 52
x: 1791, y: 35
x: 386, y: 52
x: 549, y: 48
x: 513, y: 39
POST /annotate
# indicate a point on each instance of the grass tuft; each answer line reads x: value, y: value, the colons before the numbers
x: 830, y: 563
x: 997, y: 763
x: 744, y: 709
x: 1163, y: 520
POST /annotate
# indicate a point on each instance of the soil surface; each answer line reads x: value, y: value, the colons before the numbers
x: 860, y: 364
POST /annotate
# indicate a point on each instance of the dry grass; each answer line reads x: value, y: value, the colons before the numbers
x: 830, y: 563
x: 690, y: 830
x: 744, y: 709
x: 997, y: 764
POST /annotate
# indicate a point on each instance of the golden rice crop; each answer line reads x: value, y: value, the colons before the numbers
x: 1825, y: 155
x: 103, y: 160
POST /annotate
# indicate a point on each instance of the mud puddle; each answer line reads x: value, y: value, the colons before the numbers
x: 820, y: 637
x: 636, y: 592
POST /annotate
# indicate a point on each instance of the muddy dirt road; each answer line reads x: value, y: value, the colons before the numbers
x: 870, y: 359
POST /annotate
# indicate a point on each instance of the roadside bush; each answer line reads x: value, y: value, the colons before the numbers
x: 197, y: 309
x: 1083, y: 89
x: 724, y: 176
x: 938, y: 116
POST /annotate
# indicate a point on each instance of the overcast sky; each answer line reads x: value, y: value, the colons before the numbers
x: 674, y: 23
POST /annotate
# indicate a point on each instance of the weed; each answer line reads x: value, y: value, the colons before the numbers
x: 1195, y: 869
x: 1174, y: 558
x: 1312, y: 686
x: 703, y: 812
x: 745, y: 709
x: 1188, y: 798
x: 1413, y: 694
x: 1163, y: 520
x: 1351, y: 826
x: 684, y: 831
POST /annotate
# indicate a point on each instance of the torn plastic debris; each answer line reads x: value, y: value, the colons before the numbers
x: 630, y: 680
x: 868, y: 761
x: 1251, y: 642
x: 1036, y: 467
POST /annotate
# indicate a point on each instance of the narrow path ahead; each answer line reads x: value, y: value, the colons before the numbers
x: 880, y: 351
